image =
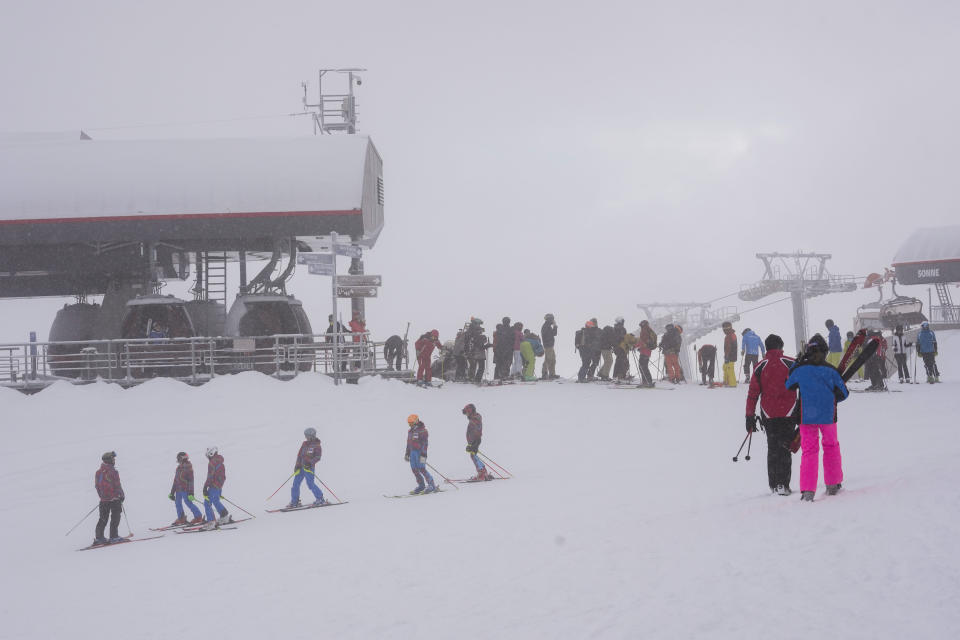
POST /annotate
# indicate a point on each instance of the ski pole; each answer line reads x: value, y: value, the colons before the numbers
x: 445, y: 478
x: 741, y: 447
x: 487, y: 458
x: 282, y: 486
x: 327, y: 488
x: 126, y: 519
x: 225, y: 499
x: 749, y: 443
x: 95, y: 507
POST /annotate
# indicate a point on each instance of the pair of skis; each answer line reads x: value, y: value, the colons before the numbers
x: 306, y: 506
x: 124, y: 540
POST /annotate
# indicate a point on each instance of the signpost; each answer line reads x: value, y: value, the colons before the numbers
x: 363, y: 280
x: 356, y: 292
x: 321, y: 269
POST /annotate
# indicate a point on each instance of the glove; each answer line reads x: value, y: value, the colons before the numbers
x: 171, y: 496
x: 751, y: 424
x: 472, y: 448
x: 406, y: 457
x: 205, y: 492
x: 297, y: 471
x: 190, y: 497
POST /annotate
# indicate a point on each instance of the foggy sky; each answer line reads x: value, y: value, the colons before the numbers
x: 577, y: 159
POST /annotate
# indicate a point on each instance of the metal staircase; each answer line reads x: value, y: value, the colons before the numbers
x: 949, y: 313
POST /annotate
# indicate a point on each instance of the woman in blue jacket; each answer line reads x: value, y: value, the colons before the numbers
x: 821, y: 388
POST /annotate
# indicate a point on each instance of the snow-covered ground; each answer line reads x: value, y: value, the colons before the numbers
x: 626, y: 517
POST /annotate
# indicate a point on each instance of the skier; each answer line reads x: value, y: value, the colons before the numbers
x: 516, y: 368
x: 548, y: 332
x: 821, y: 388
x: 621, y: 367
x: 309, y: 455
x: 474, y: 434
x: 587, y: 341
x: 502, y: 349
x: 927, y: 348
x: 670, y: 344
x: 359, y: 330
x: 393, y: 353
x: 475, y: 348
x: 707, y: 358
x: 213, y: 489
x: 530, y: 347
x: 334, y: 334
x: 752, y: 349
x: 835, y: 343
x: 424, y: 347
x: 416, y: 455
x: 900, y: 351
x: 778, y: 412
x: 182, y: 491
x: 107, y: 482
x: 607, y: 340
x: 729, y: 355
x: 460, y: 353
x: 646, y: 343
x: 875, y: 368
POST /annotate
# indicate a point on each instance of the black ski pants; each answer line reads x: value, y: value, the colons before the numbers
x: 780, y: 434
x: 594, y: 362
x: 621, y: 366
x: 903, y: 371
x: 461, y: 367
x: 874, y: 372
x: 750, y: 361
x: 501, y: 364
x: 707, y: 363
x: 477, y: 366
x: 643, y: 367
x: 586, y: 359
x: 930, y: 364
x: 109, y: 510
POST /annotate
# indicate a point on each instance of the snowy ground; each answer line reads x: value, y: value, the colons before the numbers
x: 626, y: 518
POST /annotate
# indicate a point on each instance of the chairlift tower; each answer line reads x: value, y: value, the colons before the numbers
x: 697, y: 319
x: 803, y: 276
x: 334, y: 112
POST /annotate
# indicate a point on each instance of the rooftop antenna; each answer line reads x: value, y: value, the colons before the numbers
x: 334, y: 111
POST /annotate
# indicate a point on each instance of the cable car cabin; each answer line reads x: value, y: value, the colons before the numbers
x: 902, y: 310
x: 260, y: 316
x: 159, y: 321
x: 75, y: 323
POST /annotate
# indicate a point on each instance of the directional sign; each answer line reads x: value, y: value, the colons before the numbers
x: 356, y: 292
x: 351, y: 250
x: 363, y: 280
x: 320, y: 269
x: 315, y: 258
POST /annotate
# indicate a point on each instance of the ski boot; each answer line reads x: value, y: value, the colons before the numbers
x: 936, y: 378
x: 806, y: 496
x: 430, y: 489
x: 197, y: 520
x: 225, y: 519
x: 210, y: 525
x: 182, y: 520
x: 929, y: 379
x: 99, y: 541
x: 783, y: 490
x: 115, y: 540
x: 293, y: 504
x: 319, y: 502
x: 417, y: 490
x: 833, y: 489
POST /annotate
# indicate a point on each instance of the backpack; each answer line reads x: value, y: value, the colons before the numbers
x: 578, y: 338
x: 537, y: 347
x: 652, y: 340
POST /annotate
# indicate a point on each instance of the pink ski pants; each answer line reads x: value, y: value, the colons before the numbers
x: 810, y: 457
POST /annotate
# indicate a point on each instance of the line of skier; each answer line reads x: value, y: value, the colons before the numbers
x: 111, y: 494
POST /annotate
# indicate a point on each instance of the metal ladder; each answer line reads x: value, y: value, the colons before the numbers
x: 212, y: 273
x: 946, y: 303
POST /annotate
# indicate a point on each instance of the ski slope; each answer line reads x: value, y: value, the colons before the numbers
x: 626, y: 517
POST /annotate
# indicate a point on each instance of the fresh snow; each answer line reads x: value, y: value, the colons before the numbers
x: 626, y: 517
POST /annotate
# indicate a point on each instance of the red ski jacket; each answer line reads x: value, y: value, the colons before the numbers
x: 183, y: 478
x: 730, y: 346
x: 309, y: 455
x: 216, y: 473
x: 425, y: 346
x: 474, y: 429
x: 768, y: 386
x: 417, y: 438
x: 107, y: 482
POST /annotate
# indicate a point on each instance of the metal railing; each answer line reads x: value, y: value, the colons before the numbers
x: 35, y: 365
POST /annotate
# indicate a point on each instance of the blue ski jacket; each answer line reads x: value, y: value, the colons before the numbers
x: 926, y: 341
x: 834, y: 341
x: 821, y: 388
x: 751, y: 344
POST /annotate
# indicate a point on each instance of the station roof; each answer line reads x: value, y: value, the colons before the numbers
x: 929, y: 255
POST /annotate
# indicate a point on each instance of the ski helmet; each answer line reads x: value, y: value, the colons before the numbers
x: 211, y: 451
x: 549, y: 316
x: 469, y: 410
x: 182, y: 456
x: 618, y: 320
x: 413, y: 419
x: 828, y: 323
x: 925, y: 324
x: 109, y: 456
x: 310, y: 432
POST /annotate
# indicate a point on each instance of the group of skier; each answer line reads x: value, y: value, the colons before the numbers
x: 110, y: 491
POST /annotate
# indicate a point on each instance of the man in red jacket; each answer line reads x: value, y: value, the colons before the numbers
x: 107, y: 482
x: 425, y: 346
x: 778, y: 409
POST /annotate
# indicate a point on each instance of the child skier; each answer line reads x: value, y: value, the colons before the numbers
x: 213, y: 489
x: 416, y: 455
x: 107, y: 482
x: 182, y: 491
x: 821, y: 388
x: 308, y: 456
x: 474, y: 434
